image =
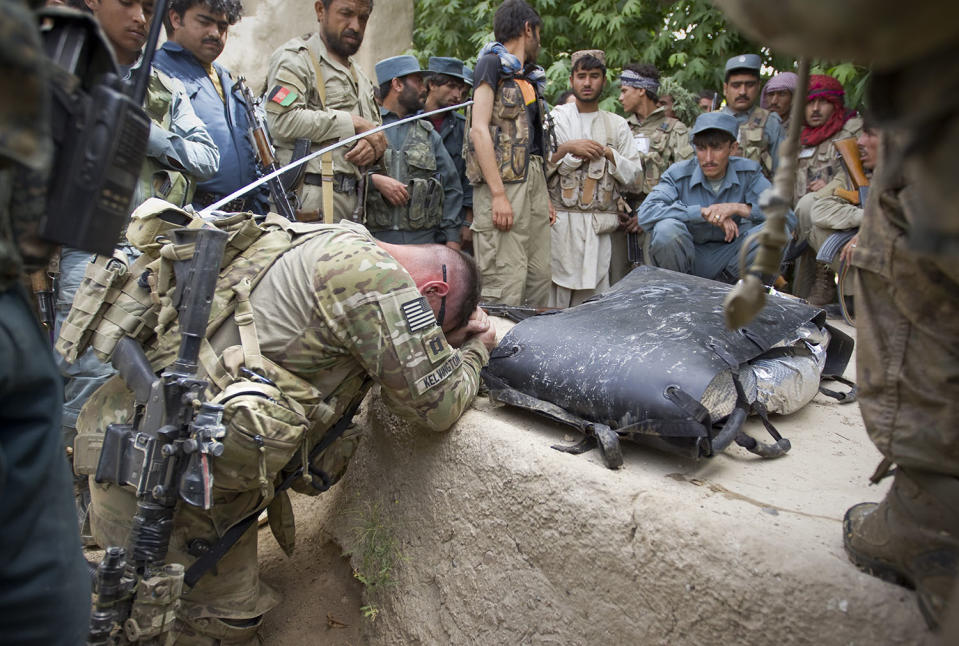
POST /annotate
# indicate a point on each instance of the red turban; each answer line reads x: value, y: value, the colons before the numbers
x: 826, y: 87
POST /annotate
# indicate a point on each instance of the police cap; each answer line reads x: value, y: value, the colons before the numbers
x: 395, y: 67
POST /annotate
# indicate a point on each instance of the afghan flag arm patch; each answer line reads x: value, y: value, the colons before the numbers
x: 282, y: 95
x: 418, y: 314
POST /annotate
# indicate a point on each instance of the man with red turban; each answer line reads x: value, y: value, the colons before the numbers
x: 820, y: 171
x: 827, y: 119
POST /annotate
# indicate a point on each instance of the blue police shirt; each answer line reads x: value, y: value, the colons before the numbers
x: 226, y: 122
x: 683, y: 190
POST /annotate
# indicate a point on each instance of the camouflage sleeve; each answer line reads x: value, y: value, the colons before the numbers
x: 377, y: 315
x: 288, y: 87
x: 679, y: 144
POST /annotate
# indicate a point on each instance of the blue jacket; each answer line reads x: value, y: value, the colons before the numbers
x: 226, y: 123
x: 683, y: 190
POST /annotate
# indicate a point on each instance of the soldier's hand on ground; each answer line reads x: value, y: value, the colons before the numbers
x: 393, y: 190
x: 846, y: 254
x: 502, y: 213
x: 584, y: 148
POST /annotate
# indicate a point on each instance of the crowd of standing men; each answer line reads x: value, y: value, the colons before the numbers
x: 555, y: 205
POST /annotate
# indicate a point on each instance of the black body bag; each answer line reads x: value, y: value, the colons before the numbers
x: 651, y: 361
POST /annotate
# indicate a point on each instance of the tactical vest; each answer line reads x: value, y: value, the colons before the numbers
x: 274, y: 418
x: 413, y: 164
x: 509, y: 130
x: 590, y: 188
x: 157, y: 180
x: 656, y: 161
x: 754, y: 142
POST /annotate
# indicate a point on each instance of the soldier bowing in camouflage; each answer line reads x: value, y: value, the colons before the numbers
x: 330, y: 315
x: 419, y: 199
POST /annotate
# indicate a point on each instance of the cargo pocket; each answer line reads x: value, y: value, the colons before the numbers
x: 568, y: 190
x: 264, y: 430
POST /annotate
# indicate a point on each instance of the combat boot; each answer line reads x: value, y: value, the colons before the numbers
x: 823, y: 291
x: 910, y: 538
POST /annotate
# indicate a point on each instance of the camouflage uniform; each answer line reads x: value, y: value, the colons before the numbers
x: 348, y: 311
x: 662, y: 141
x: 432, y: 214
x: 822, y: 161
x: 760, y: 133
x: 295, y: 109
x: 44, y: 587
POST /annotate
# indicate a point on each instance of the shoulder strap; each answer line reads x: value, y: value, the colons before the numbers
x: 326, y: 159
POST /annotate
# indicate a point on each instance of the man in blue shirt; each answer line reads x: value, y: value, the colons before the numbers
x: 702, y: 210
x: 197, y: 32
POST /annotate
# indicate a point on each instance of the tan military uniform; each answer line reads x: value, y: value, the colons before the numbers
x: 299, y: 110
x: 822, y: 161
x: 662, y: 141
x: 330, y: 335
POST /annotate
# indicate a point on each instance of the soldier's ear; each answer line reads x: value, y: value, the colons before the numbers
x: 734, y: 149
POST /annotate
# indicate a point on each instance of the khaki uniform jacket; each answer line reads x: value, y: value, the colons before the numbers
x: 348, y: 91
x: 662, y: 141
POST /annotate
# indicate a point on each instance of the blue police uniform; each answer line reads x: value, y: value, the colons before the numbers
x: 679, y: 237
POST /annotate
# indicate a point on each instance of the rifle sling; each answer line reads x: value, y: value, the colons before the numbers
x: 218, y: 550
x: 326, y: 160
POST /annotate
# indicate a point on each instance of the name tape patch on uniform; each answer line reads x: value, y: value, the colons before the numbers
x: 437, y: 377
x: 283, y: 96
x: 418, y: 314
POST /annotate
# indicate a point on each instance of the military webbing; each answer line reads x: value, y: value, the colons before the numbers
x: 210, y: 557
x: 326, y: 160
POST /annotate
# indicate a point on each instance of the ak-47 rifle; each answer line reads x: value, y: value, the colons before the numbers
x: 164, y: 454
x: 849, y: 155
x: 265, y: 153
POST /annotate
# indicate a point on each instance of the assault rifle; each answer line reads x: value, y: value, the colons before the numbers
x: 164, y: 454
x: 265, y: 153
x: 849, y: 155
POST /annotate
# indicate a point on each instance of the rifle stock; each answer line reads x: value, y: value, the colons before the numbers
x: 164, y: 455
x: 848, y: 151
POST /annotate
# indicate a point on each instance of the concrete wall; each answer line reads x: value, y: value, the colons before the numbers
x: 270, y: 23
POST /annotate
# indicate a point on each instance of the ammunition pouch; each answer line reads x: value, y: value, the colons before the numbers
x: 510, y: 133
x: 415, y: 165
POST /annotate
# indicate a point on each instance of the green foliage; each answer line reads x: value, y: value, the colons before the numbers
x: 688, y: 40
x: 375, y: 551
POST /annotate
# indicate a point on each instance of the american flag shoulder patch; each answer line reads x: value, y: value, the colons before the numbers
x: 418, y: 314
